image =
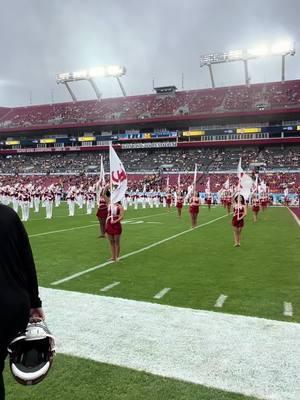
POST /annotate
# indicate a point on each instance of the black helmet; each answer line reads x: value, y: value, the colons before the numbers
x: 31, y: 353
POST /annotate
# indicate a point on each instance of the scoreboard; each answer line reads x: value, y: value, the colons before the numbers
x: 147, y: 135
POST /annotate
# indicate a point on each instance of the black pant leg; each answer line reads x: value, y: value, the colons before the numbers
x: 2, y: 359
x: 14, y: 312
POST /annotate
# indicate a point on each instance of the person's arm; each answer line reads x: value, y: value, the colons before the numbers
x: 106, y: 198
x: 29, y: 272
x: 120, y: 216
x: 243, y: 214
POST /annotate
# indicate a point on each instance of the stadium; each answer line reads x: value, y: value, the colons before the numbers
x: 194, y: 306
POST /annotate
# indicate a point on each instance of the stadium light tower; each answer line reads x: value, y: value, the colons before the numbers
x: 281, y: 48
x: 111, y: 71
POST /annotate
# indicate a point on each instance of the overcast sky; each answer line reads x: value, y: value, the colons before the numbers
x: 158, y: 39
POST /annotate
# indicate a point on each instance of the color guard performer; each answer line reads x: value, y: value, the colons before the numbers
x: 228, y: 202
x: 194, y: 208
x: 169, y: 200
x: 264, y: 201
x: 179, y: 203
x: 113, y: 228
x: 208, y: 201
x: 239, y: 213
x: 102, y: 211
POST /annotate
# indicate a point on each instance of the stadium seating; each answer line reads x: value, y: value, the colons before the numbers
x: 275, y: 95
x: 154, y: 160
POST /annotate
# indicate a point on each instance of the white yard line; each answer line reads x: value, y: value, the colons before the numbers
x: 161, y: 294
x: 288, y: 309
x: 57, y: 216
x: 86, y: 271
x: 86, y: 215
x: 108, y: 287
x: 252, y: 356
x: 154, y: 215
x: 294, y: 216
x: 220, y: 301
x: 61, y: 230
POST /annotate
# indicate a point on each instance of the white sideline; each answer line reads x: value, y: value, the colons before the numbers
x: 61, y: 230
x: 253, y: 356
x: 288, y: 310
x: 86, y: 271
x: 220, y: 301
x: 108, y: 287
x: 294, y: 216
x: 161, y: 294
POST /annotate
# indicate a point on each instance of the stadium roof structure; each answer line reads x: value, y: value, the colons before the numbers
x: 281, y: 48
x: 111, y: 71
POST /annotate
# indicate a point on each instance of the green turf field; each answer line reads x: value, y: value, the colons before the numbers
x: 198, y: 266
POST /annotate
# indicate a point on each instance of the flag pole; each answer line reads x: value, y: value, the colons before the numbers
x: 110, y: 177
x: 195, y: 178
x: 239, y: 187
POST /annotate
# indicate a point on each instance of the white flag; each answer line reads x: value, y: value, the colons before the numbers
x: 286, y: 192
x: 195, y: 177
x: 178, y: 181
x: 102, y: 174
x: 118, y: 177
x: 263, y: 187
x: 207, y: 187
x: 256, y: 184
x: 226, y: 185
x: 190, y: 190
x: 245, y: 182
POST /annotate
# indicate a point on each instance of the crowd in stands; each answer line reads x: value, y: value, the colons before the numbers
x: 156, y: 160
x: 276, y: 182
x: 193, y: 102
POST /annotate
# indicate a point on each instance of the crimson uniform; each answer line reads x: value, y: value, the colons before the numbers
x: 102, y: 211
x: 114, y: 212
x: 169, y: 199
x: 238, y: 211
x: 255, y: 206
x: 264, y: 201
x: 228, y: 201
x: 179, y: 203
x: 194, y: 205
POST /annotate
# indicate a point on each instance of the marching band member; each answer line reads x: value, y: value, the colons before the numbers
x: 89, y: 201
x: 49, y: 198
x: 71, y: 201
x: 37, y: 199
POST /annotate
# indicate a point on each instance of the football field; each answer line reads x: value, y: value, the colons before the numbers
x: 182, y: 315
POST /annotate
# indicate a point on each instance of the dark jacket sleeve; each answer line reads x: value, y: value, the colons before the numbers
x: 28, y: 266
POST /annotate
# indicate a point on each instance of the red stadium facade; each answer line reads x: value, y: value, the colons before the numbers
x: 269, y: 102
